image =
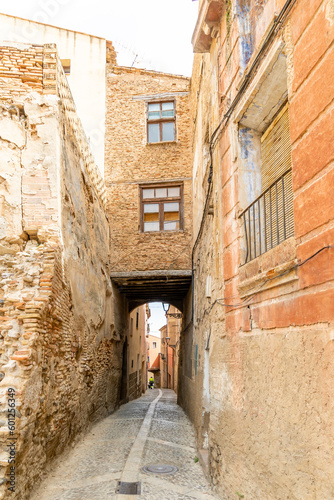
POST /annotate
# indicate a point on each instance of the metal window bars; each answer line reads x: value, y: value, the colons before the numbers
x: 269, y: 219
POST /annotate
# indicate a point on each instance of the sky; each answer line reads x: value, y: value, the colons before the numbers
x: 151, y: 34
x: 157, y: 319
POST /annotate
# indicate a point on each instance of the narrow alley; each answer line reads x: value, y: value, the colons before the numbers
x: 150, y: 431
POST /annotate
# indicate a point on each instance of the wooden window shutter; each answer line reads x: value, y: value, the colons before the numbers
x: 276, y: 160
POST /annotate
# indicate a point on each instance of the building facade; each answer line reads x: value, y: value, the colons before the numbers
x: 154, y: 359
x: 170, y: 342
x: 258, y: 384
x: 137, y: 352
x: 149, y: 183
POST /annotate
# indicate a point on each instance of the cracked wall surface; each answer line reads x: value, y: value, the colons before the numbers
x: 61, y: 319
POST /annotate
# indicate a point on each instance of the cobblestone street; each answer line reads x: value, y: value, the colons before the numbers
x: 152, y: 430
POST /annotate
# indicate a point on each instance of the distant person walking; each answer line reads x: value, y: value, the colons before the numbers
x: 151, y: 383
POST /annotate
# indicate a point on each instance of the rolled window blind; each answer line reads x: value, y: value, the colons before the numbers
x: 276, y: 160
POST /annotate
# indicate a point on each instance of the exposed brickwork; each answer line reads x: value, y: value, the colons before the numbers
x: 20, y: 70
x: 111, y: 56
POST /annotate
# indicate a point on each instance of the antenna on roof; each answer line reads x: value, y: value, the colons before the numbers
x: 134, y: 61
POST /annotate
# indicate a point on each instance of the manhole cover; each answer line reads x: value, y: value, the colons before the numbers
x: 128, y: 488
x: 160, y: 469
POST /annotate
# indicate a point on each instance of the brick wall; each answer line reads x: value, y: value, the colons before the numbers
x: 20, y: 70
x: 130, y: 161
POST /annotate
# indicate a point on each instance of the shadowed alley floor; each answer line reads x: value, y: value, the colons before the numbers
x: 152, y: 430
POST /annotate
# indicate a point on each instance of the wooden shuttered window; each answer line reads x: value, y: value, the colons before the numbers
x: 276, y: 178
x: 269, y: 218
x: 276, y: 149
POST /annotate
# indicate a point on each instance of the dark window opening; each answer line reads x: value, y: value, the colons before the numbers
x: 66, y: 63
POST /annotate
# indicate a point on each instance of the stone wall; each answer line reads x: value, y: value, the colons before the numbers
x: 61, y: 320
x: 130, y: 161
x: 268, y: 362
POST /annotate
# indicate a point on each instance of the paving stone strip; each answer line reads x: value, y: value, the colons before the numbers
x: 130, y: 472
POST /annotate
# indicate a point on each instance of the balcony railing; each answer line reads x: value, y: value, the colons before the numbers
x: 269, y: 219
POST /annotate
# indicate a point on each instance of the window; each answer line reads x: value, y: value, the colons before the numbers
x: 161, y: 121
x: 66, y: 63
x: 264, y: 166
x: 269, y: 219
x: 161, y: 207
x: 137, y: 320
x: 276, y: 164
x: 154, y: 346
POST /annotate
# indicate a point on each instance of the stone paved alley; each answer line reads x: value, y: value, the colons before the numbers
x: 149, y: 430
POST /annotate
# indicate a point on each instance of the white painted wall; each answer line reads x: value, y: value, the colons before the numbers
x: 87, y: 78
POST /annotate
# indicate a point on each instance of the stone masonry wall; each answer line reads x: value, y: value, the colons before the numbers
x: 270, y: 362
x: 130, y: 161
x: 61, y: 320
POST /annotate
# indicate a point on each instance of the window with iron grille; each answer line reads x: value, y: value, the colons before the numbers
x: 161, y: 207
x: 161, y: 121
x: 269, y: 219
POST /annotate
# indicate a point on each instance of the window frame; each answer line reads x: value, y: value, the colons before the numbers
x: 161, y: 120
x: 160, y: 202
x: 284, y: 211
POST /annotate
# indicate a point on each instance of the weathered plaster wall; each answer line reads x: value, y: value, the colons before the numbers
x: 130, y: 161
x: 61, y: 320
x: 270, y: 354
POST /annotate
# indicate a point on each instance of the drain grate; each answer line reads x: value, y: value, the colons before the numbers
x: 160, y: 469
x: 128, y: 488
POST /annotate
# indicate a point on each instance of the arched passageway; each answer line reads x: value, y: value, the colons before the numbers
x: 151, y: 349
